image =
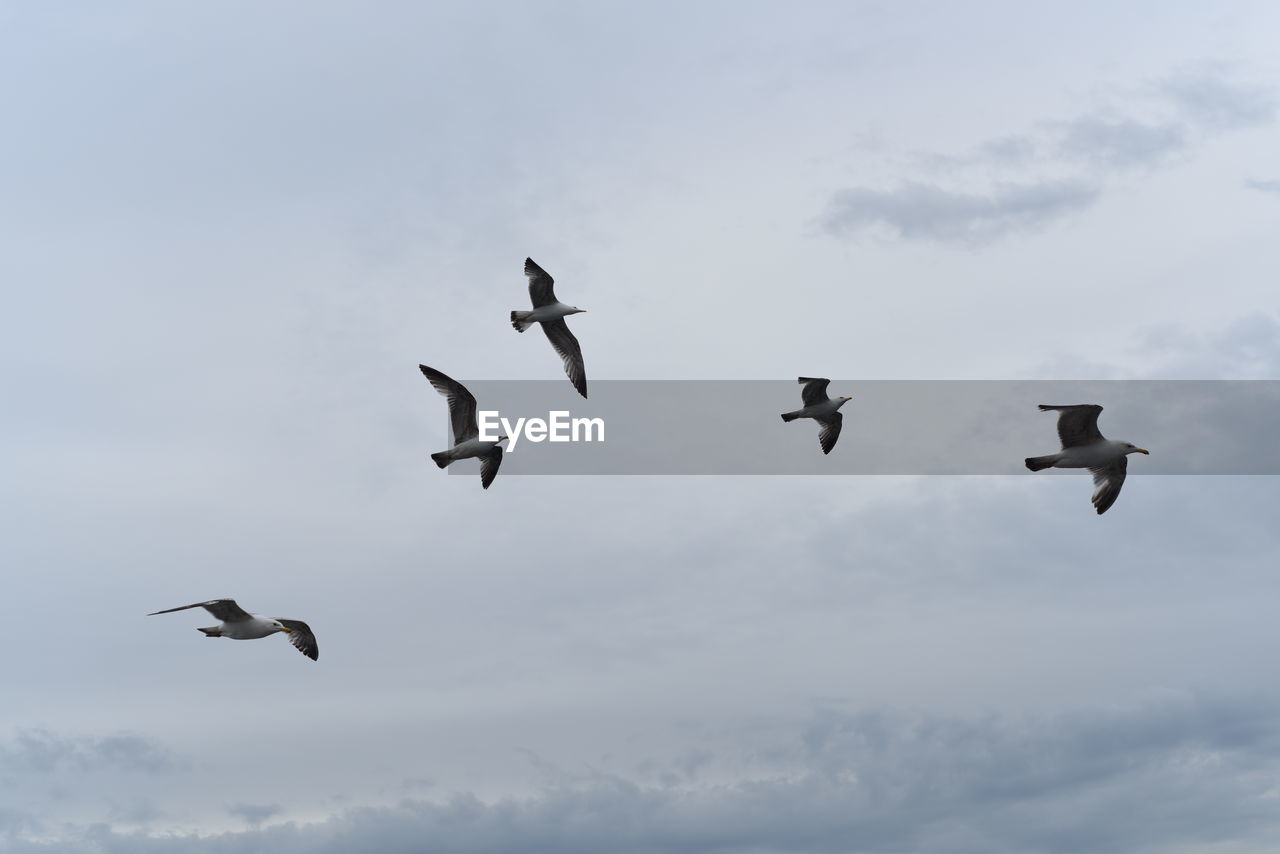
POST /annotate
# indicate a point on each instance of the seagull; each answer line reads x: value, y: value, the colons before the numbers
x: 1084, y: 448
x: 550, y: 312
x: 466, y: 435
x: 239, y: 624
x: 823, y: 409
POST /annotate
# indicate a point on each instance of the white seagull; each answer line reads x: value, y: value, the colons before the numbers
x: 466, y: 434
x: 239, y: 624
x: 823, y: 409
x: 550, y: 312
x: 1083, y: 447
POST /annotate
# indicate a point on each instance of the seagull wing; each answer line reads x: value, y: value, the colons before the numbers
x: 570, y: 353
x: 462, y: 405
x: 1077, y: 425
x: 541, y: 285
x: 489, y: 466
x: 830, y: 431
x: 1107, y: 481
x: 814, y: 391
x: 225, y: 610
x: 301, y: 636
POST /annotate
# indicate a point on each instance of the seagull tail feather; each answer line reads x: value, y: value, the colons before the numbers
x: 211, y: 632
x: 441, y: 459
x: 518, y: 322
x: 790, y: 416
x: 1038, y: 463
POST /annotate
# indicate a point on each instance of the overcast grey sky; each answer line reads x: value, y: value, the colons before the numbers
x: 231, y: 231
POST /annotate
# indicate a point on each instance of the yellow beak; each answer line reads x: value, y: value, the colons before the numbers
x: 1144, y: 451
x: 286, y: 630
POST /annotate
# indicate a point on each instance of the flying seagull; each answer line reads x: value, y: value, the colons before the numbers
x: 550, y: 312
x: 1084, y: 448
x: 239, y: 624
x: 466, y: 435
x: 823, y: 409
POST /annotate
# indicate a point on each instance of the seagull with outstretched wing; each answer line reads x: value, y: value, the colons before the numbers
x: 239, y: 624
x: 550, y: 312
x: 825, y: 410
x: 1083, y: 447
x: 466, y: 433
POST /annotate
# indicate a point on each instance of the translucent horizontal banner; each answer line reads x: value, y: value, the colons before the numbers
x: 896, y: 427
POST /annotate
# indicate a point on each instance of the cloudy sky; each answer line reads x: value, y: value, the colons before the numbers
x: 231, y: 231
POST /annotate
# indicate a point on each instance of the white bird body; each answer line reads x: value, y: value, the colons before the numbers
x: 1096, y: 455
x: 251, y: 629
x: 825, y: 409
x: 544, y: 313
x: 469, y: 448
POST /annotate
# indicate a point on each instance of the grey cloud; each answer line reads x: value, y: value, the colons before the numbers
x: 1119, y: 143
x: 410, y: 783
x: 1013, y: 149
x: 255, y: 814
x: 1181, y: 771
x: 923, y: 212
x: 1101, y: 141
x: 1207, y: 102
x: 41, y: 751
x: 14, y: 822
x: 137, y: 811
x: 1264, y: 186
x: 1217, y: 104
